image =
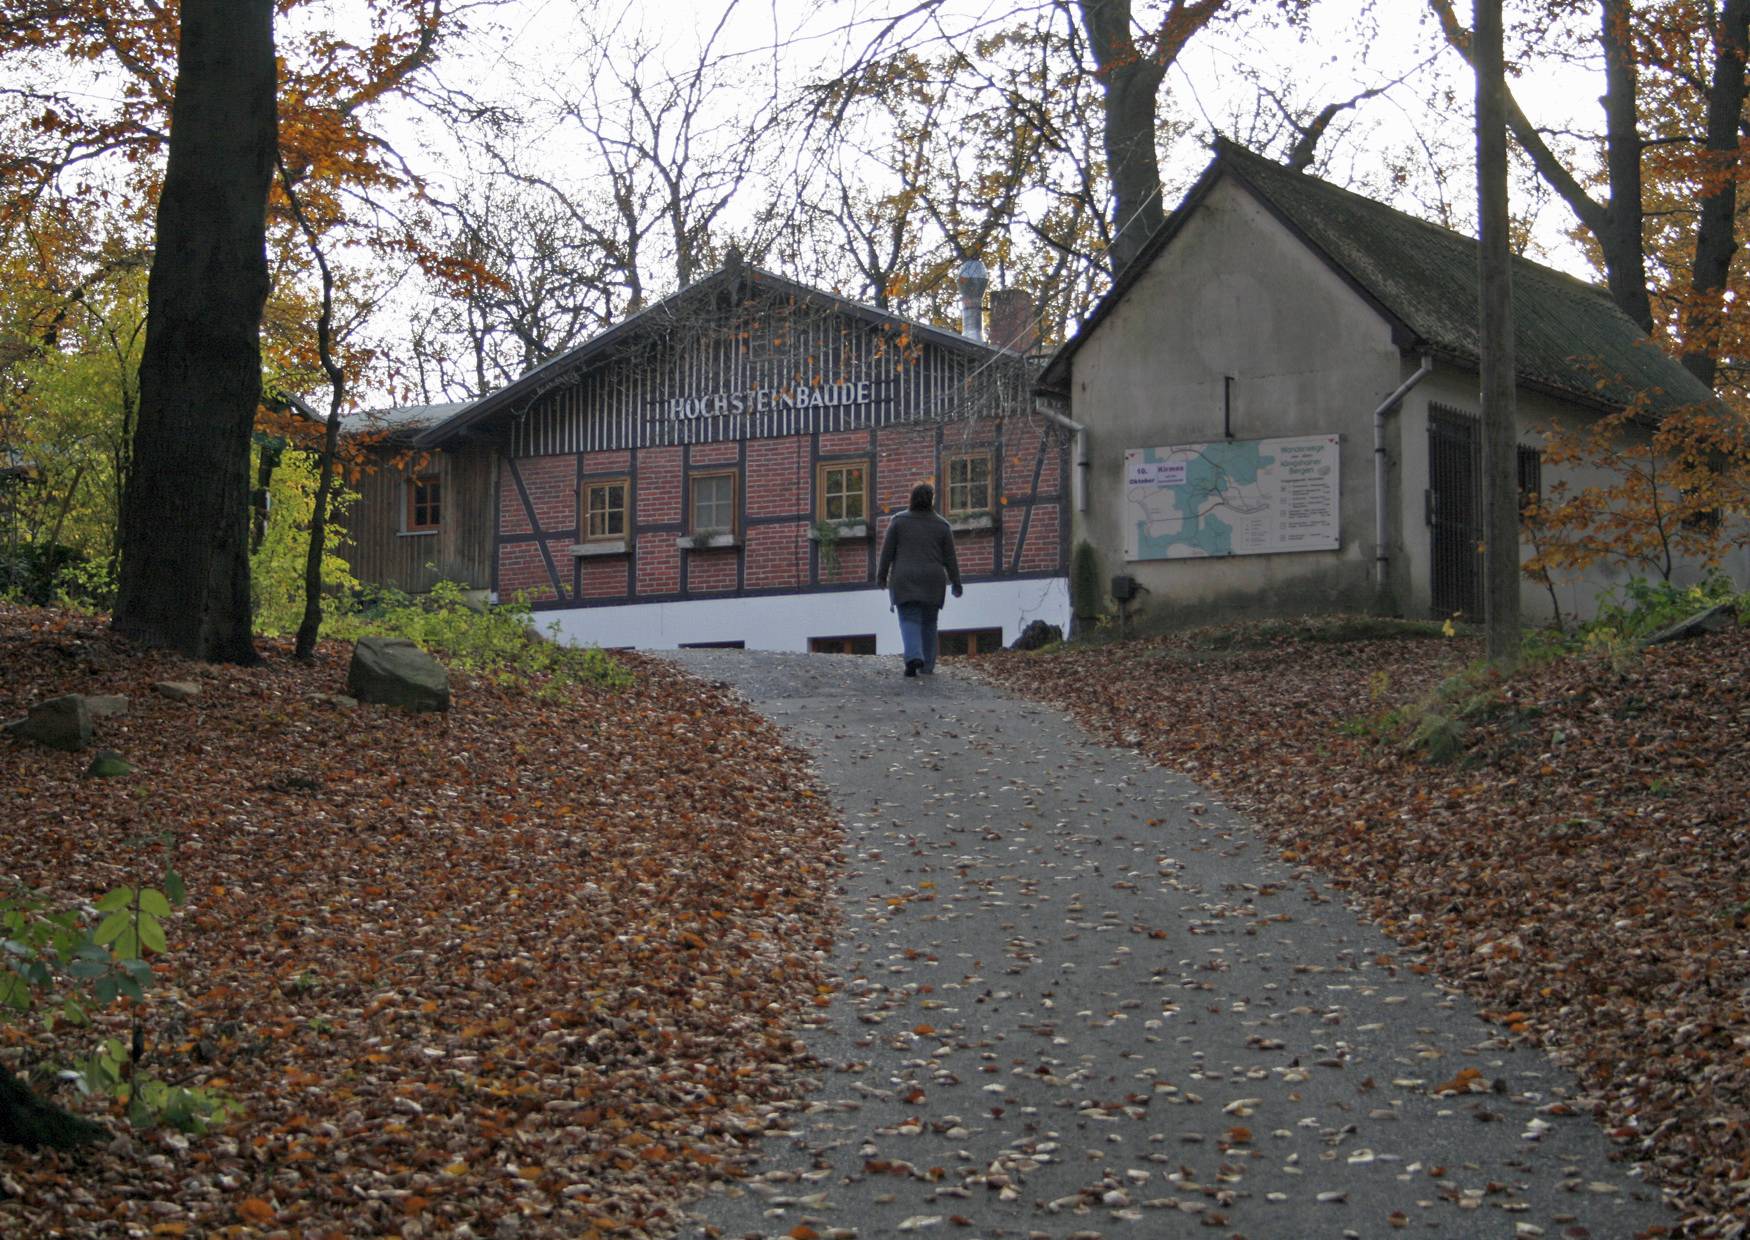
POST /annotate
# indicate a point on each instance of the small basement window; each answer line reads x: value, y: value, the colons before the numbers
x: 968, y: 475
x: 604, y: 510
x: 969, y: 641
x: 425, y: 504
x: 713, y: 504
x: 844, y: 491
x: 861, y: 643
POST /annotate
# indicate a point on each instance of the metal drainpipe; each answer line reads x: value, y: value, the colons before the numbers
x: 1381, y: 527
x: 1078, y: 481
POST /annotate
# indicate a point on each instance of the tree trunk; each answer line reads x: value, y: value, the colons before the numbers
x: 27, y: 1119
x: 1129, y: 81
x: 1495, y: 273
x: 1625, y: 250
x: 310, y: 625
x: 1130, y: 78
x: 185, y: 514
x: 1704, y: 312
x: 1615, y: 225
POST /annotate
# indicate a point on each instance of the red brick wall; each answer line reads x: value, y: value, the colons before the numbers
x: 716, y: 453
x: 844, y: 443
x: 1051, y: 476
x: 606, y: 576
x: 977, y: 552
x: 659, y: 490
x: 907, y: 457
x: 512, y: 517
x: 659, y: 564
x: 1043, y: 550
x: 607, y: 462
x: 777, y: 555
x: 551, y: 482
x: 522, y: 570
x: 852, y: 565
x: 711, y: 572
x: 779, y: 481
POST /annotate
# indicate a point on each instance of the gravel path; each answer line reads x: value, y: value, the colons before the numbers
x: 1081, y: 999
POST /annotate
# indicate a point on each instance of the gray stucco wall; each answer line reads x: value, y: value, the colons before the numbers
x: 1576, y: 592
x: 1237, y: 295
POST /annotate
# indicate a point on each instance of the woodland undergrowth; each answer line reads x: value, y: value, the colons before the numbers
x: 536, y: 966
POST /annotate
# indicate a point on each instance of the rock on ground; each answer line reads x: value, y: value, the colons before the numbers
x: 60, y: 723
x: 392, y: 671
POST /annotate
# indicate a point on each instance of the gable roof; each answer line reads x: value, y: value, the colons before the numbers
x: 736, y: 279
x: 1569, y: 336
x: 402, y: 423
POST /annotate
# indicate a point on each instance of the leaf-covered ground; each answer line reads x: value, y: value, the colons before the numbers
x: 1582, y: 867
x: 521, y: 970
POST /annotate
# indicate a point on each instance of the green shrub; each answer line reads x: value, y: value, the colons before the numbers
x: 499, y: 641
x: 1086, y: 593
x: 1644, y: 607
x: 41, y: 574
x: 276, y: 567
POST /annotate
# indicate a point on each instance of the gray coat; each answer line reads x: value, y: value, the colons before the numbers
x: 917, y: 559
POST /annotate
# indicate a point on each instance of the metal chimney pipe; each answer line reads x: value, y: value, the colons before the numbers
x: 974, y: 279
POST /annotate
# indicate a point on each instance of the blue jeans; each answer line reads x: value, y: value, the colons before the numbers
x: 917, y: 629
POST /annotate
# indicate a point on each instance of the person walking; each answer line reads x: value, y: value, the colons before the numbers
x: 917, y: 566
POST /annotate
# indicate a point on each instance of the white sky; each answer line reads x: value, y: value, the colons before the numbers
x: 799, y: 39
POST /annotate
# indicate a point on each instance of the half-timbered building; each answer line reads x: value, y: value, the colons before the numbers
x: 719, y: 469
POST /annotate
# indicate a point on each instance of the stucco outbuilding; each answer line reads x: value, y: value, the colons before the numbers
x: 1279, y: 400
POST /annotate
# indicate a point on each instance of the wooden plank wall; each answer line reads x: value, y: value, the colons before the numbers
x: 380, y: 554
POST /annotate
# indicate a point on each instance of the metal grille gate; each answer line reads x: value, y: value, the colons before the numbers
x: 1454, y: 511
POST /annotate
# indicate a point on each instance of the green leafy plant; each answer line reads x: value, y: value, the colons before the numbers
x: 1644, y: 607
x: 826, y: 534
x: 73, y: 962
x: 499, y: 641
x: 276, y: 568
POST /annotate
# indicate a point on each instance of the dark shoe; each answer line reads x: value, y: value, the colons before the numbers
x: 926, y: 670
x: 912, y: 665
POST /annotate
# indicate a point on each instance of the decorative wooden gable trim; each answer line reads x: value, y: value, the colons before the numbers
x: 761, y: 372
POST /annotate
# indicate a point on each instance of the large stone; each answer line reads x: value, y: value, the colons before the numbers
x: 1713, y: 620
x: 178, y: 690
x: 59, y: 723
x: 392, y: 671
x: 107, y: 705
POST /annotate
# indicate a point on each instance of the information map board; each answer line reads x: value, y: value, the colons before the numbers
x: 1233, y: 497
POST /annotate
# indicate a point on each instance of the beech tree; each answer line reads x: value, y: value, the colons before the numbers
x: 1495, y: 332
x: 932, y: 155
x: 1671, y: 146
x: 185, y: 549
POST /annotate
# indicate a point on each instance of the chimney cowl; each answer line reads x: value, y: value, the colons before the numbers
x: 974, y: 279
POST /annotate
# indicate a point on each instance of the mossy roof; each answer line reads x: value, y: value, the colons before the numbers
x: 1569, y: 336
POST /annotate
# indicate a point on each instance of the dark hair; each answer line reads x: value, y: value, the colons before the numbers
x: 923, y: 497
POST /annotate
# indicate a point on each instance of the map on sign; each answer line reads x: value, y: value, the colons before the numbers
x: 1234, y: 497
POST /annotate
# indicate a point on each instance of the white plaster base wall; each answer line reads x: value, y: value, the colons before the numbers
x: 787, y: 621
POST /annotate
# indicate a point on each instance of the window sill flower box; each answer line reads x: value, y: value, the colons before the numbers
x: 706, y: 542
x: 968, y: 522
x: 842, y: 531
